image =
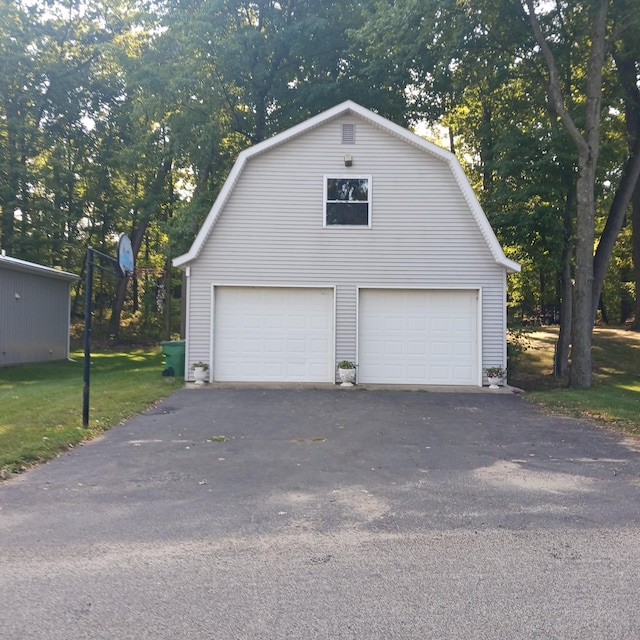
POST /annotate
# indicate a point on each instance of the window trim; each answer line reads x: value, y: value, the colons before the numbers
x: 343, y: 176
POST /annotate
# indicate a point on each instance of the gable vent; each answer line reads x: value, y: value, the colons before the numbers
x: 348, y: 134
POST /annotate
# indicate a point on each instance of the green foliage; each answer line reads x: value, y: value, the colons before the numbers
x: 42, y: 404
x: 518, y: 344
x: 126, y: 116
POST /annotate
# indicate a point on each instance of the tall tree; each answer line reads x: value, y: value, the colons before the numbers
x: 584, y: 127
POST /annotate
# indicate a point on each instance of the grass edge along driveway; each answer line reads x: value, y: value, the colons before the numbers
x: 614, y: 397
x: 42, y: 403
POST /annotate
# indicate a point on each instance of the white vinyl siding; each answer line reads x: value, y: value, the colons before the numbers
x: 423, y: 234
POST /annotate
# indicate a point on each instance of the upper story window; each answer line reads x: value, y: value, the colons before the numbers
x: 347, y: 201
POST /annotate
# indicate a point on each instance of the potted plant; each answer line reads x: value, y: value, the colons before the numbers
x: 199, y: 369
x: 495, y: 376
x: 347, y: 372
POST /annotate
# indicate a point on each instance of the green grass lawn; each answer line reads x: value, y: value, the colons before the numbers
x: 41, y: 404
x: 614, y: 398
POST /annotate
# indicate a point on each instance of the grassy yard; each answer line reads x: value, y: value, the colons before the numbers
x: 41, y: 405
x: 614, y: 398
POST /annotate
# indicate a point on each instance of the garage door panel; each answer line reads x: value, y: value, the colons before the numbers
x: 373, y: 347
x: 297, y: 322
x: 370, y: 323
x: 273, y: 346
x: 417, y: 372
x: 320, y: 322
x: 296, y: 347
x: 463, y: 350
x: 394, y: 323
x: 272, y: 369
x: 418, y: 336
x: 273, y: 322
x: 393, y: 348
x: 318, y: 347
x: 439, y: 349
x: 463, y: 372
x: 273, y: 334
x: 416, y: 324
x: 462, y: 325
x: 440, y: 374
x: 416, y: 348
x: 440, y: 325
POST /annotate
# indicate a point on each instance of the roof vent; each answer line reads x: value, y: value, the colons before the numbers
x: 348, y: 134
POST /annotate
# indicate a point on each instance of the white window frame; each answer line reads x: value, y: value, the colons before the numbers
x: 343, y: 176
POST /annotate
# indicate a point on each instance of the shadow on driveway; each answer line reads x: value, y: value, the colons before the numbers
x: 219, y: 462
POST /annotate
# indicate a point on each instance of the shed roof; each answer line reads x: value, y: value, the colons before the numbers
x: 32, y: 267
x: 382, y: 124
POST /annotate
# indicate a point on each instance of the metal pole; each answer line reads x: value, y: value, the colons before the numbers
x: 88, y: 309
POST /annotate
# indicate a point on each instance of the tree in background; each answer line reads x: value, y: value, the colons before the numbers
x: 127, y: 116
x: 531, y: 95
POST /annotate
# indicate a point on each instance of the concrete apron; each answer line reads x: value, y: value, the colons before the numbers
x: 361, y: 387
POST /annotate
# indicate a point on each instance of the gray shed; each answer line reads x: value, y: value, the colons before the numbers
x: 34, y: 312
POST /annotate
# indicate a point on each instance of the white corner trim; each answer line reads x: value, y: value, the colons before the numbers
x: 478, y: 213
x: 214, y: 212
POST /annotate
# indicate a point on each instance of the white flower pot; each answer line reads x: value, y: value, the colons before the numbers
x: 494, y: 382
x: 347, y: 376
x: 198, y: 375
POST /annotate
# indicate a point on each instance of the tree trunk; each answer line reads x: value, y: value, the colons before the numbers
x: 561, y: 364
x: 635, y: 222
x: 486, y: 151
x: 587, y: 143
x: 137, y: 236
x: 11, y: 198
x: 615, y: 221
x: 603, y: 310
x: 625, y: 58
x: 116, y: 310
x: 582, y: 321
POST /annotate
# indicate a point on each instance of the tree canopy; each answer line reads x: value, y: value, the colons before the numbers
x: 126, y: 115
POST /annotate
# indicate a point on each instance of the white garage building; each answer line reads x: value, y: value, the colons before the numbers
x: 346, y: 237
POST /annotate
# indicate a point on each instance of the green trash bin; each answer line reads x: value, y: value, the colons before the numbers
x: 173, y: 352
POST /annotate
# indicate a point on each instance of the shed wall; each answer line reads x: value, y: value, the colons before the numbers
x: 34, y: 327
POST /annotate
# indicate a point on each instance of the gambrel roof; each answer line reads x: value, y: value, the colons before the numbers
x: 351, y: 108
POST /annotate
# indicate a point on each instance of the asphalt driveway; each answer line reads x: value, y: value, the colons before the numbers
x: 253, y: 513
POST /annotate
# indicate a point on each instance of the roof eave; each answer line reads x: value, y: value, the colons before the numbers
x: 38, y: 269
x: 510, y: 265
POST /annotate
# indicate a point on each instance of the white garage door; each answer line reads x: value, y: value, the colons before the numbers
x: 418, y: 337
x: 273, y: 334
